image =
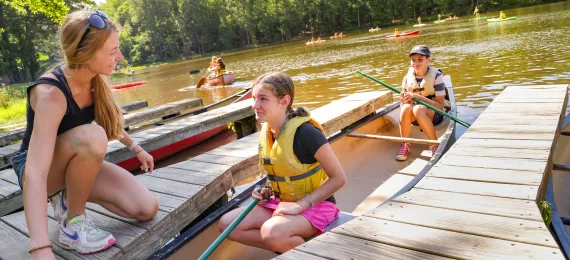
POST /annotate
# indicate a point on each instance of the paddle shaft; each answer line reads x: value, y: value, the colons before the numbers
x: 416, y: 100
x: 228, y: 230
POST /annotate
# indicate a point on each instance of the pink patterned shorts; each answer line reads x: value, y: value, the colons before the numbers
x: 320, y: 216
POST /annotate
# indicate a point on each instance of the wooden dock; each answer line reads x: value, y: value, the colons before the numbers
x: 478, y: 202
x: 184, y: 190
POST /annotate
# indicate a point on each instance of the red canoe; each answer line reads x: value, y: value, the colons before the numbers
x: 416, y: 32
x: 224, y: 79
x: 163, y: 152
x: 128, y: 85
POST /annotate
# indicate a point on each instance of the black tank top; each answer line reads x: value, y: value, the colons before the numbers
x: 74, y: 116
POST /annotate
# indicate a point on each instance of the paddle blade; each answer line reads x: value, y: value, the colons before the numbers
x: 192, y: 72
x: 201, y: 82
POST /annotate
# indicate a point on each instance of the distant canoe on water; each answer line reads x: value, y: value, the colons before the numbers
x: 224, y: 79
x: 128, y: 85
x: 494, y: 20
x: 416, y: 32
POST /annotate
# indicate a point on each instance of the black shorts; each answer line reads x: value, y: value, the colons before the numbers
x: 437, y: 118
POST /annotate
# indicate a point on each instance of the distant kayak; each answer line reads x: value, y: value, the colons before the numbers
x: 480, y: 18
x: 421, y: 24
x: 128, y: 85
x: 451, y: 18
x: 416, y: 32
x: 440, y: 21
x: 494, y: 20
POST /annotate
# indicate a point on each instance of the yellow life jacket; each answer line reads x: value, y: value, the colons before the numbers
x: 427, y: 87
x: 288, y: 177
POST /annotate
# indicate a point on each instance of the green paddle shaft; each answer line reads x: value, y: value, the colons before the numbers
x: 416, y: 100
x: 228, y: 230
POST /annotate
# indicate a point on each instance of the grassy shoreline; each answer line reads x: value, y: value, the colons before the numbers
x: 13, y: 105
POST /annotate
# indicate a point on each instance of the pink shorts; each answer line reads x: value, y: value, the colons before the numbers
x: 320, y: 216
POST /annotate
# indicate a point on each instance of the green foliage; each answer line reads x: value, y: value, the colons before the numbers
x: 546, y: 212
x: 12, y: 105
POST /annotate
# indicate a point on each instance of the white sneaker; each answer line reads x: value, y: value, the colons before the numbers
x: 59, y: 206
x: 81, y: 235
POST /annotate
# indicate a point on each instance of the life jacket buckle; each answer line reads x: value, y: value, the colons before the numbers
x: 266, y: 161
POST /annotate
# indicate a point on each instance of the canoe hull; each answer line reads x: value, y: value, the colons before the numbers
x: 225, y: 79
x: 494, y: 20
x: 128, y: 85
x: 412, y: 33
x: 163, y: 152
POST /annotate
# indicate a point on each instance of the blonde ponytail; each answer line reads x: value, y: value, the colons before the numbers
x: 107, y: 113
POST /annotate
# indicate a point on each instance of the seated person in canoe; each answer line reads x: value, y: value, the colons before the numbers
x: 424, y: 83
x: 476, y: 12
x: 219, y: 68
x: 302, y: 171
x: 396, y: 31
x: 502, y: 15
x: 62, y: 152
x: 212, y: 63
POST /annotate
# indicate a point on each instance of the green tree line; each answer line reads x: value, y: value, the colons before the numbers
x: 162, y: 30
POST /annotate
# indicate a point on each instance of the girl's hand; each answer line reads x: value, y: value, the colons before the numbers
x: 407, y: 97
x: 288, y: 208
x: 41, y: 254
x: 146, y: 160
x: 261, y: 197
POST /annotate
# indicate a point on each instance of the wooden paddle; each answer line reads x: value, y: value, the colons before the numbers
x: 461, y: 122
x: 202, y: 80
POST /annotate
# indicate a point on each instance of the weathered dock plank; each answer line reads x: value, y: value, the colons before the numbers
x: 526, y: 231
x: 161, y: 111
x: 135, y: 105
x: 442, y: 242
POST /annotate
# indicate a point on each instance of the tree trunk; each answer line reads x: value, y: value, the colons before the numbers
x: 358, y: 15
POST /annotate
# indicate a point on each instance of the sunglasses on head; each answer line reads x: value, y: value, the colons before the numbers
x: 96, y: 20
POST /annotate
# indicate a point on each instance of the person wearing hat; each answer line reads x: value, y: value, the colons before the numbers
x: 424, y: 83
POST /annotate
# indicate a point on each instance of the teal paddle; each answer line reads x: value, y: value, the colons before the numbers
x: 416, y: 100
x: 228, y: 230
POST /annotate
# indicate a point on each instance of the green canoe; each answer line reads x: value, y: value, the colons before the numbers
x: 493, y: 20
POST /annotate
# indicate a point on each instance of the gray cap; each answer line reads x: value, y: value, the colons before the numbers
x: 421, y: 49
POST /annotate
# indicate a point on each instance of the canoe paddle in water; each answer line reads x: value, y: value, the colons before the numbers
x: 192, y: 72
x: 202, y: 80
x: 461, y: 122
x: 229, y: 229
